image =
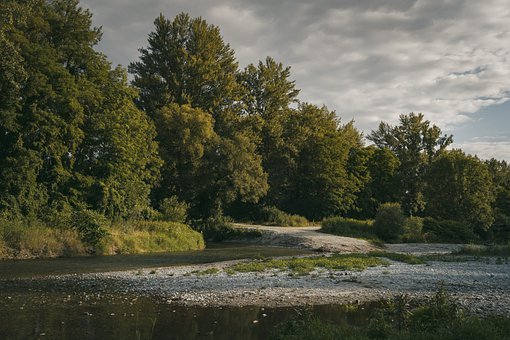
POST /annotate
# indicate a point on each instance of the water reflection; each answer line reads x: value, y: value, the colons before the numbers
x: 128, y: 317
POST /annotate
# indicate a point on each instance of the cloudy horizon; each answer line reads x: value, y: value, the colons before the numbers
x: 368, y: 60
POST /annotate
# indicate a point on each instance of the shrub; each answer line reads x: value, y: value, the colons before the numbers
x: 413, y: 230
x: 389, y: 222
x: 447, y: 231
x: 173, y: 210
x: 91, y: 225
x: 274, y: 216
x: 348, y: 227
x: 220, y: 228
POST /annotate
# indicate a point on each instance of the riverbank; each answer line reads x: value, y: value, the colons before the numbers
x: 482, y: 287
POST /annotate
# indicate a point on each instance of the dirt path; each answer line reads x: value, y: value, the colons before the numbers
x: 309, y: 238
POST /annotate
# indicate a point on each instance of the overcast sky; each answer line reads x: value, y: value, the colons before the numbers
x: 370, y: 60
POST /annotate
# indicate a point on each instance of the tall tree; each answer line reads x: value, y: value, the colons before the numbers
x: 500, y: 175
x: 66, y: 86
x: 188, y: 70
x: 268, y: 95
x: 415, y: 143
x: 459, y: 188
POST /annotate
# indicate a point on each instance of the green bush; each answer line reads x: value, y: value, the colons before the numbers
x: 348, y: 227
x: 220, y: 228
x: 413, y: 230
x: 91, y: 225
x: 173, y: 210
x: 389, y: 222
x: 273, y: 216
x: 447, y: 231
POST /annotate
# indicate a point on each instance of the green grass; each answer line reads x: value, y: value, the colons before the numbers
x: 479, y: 250
x: 439, y: 317
x: 406, y: 258
x: 137, y: 237
x: 350, y: 228
x: 22, y: 240
x: 276, y: 217
x: 304, y: 265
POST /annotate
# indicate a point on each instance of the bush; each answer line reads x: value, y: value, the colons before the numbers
x: 220, y: 228
x: 91, y: 225
x: 173, y: 210
x: 413, y: 230
x: 447, y: 231
x: 389, y: 222
x: 348, y: 227
x: 274, y: 216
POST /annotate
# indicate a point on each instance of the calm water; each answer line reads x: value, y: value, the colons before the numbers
x: 35, y: 307
x: 127, y: 317
x: 92, y: 264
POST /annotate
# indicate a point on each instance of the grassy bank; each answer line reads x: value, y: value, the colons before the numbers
x: 22, y: 240
x: 305, y: 265
x: 438, y: 317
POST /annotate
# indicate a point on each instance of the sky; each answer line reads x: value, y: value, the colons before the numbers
x: 368, y: 60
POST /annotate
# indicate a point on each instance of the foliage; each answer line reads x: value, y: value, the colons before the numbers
x: 348, y: 227
x: 91, y: 225
x: 304, y: 265
x: 389, y: 222
x: 447, y: 231
x: 274, y: 216
x: 173, y: 210
x: 137, y: 237
x: 220, y: 228
x: 25, y: 239
x: 439, y: 317
x: 459, y: 188
x: 415, y: 143
x: 480, y: 250
x: 413, y: 230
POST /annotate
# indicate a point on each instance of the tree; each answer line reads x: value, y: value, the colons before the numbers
x: 71, y: 135
x: 415, y: 143
x: 459, y: 188
x: 268, y: 94
x: 317, y: 182
x: 187, y: 81
x: 188, y: 63
x: 500, y: 175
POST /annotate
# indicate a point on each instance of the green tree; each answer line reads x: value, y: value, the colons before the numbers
x: 67, y: 112
x: 187, y: 81
x: 318, y: 180
x: 500, y: 175
x: 459, y: 188
x: 415, y: 143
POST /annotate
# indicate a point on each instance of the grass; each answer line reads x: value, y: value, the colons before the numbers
x: 138, y: 237
x: 276, y: 217
x: 304, y: 265
x: 406, y: 258
x: 22, y: 240
x: 439, y: 317
x: 350, y: 228
x: 480, y: 250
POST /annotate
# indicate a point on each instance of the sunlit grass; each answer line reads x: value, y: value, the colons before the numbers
x: 305, y: 265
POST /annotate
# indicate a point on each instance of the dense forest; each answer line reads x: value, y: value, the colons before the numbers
x: 194, y: 137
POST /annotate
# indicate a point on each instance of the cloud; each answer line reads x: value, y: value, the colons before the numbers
x: 487, y: 147
x: 370, y: 60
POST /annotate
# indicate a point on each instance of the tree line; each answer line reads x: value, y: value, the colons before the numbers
x: 194, y: 130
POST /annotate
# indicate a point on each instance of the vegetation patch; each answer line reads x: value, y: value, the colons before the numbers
x: 438, y: 317
x: 138, y: 237
x: 406, y: 258
x: 220, y: 229
x: 274, y: 216
x: 349, y: 227
x: 307, y: 264
x: 479, y: 250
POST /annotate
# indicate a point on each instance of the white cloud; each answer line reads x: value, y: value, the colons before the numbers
x: 370, y: 60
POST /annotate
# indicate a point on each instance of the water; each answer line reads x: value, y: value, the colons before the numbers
x: 128, y: 317
x: 13, y: 269
x: 33, y: 306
